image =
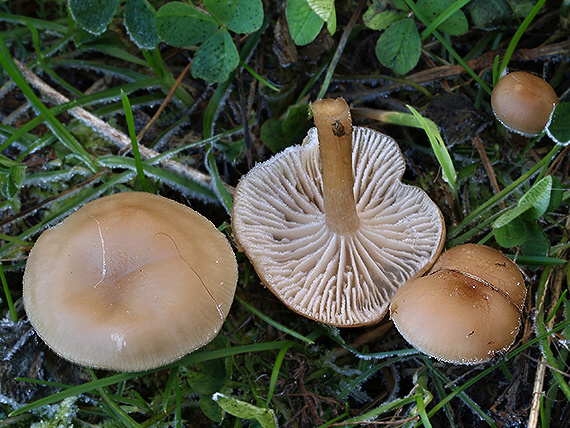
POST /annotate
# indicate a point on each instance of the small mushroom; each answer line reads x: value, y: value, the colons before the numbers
x: 523, y: 102
x: 330, y: 228
x: 129, y: 282
x: 466, y: 309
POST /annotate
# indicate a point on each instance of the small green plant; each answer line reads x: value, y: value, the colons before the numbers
x: 264, y: 416
x: 181, y: 25
x: 307, y: 17
x: 399, y: 46
x: 95, y: 16
x: 12, y: 176
x: 518, y: 226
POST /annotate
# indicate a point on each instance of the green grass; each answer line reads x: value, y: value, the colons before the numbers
x: 268, y: 363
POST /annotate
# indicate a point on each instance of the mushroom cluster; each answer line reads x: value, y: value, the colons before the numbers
x: 129, y: 282
x: 329, y: 226
x: 466, y: 309
x: 523, y: 102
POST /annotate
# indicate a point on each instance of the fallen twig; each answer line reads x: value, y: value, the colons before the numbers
x: 114, y: 135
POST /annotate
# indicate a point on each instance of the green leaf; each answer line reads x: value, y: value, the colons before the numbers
x: 216, y: 58
x: 380, y: 19
x: 12, y: 175
x: 323, y: 8
x: 241, y: 409
x: 207, y: 377
x: 532, y: 205
x: 399, y: 46
x: 304, y: 24
x: 536, y: 243
x: 93, y: 15
x: 509, y: 216
x: 438, y: 146
x: 279, y: 134
x: 537, y: 199
x: 489, y: 14
x: 241, y: 16
x: 556, y: 195
x: 210, y: 408
x: 181, y: 25
x: 521, y: 8
x: 455, y: 25
x: 559, y: 127
x: 512, y: 233
x: 140, y: 24
x: 331, y: 22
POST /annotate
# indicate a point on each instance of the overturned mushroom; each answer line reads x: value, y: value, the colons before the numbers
x: 129, y: 282
x: 466, y: 309
x: 330, y: 228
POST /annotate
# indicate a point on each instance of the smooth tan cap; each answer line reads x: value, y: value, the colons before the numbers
x: 129, y: 282
x: 454, y: 318
x: 487, y: 264
x: 466, y: 309
x: 523, y: 102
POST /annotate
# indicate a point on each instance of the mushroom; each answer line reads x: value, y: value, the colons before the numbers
x: 466, y: 309
x: 523, y: 102
x: 129, y: 282
x: 330, y: 228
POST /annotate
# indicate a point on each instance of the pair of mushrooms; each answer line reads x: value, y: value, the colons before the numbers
x: 329, y: 227
x: 333, y: 232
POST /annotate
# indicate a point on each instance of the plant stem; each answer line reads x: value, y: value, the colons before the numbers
x: 334, y: 125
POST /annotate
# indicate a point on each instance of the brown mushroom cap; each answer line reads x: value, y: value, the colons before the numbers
x: 454, y: 314
x: 523, y: 102
x: 487, y: 264
x: 129, y: 282
x: 344, y: 278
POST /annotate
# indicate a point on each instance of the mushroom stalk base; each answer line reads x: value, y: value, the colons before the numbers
x: 334, y: 125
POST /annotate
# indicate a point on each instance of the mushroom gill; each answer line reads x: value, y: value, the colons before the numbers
x: 343, y: 276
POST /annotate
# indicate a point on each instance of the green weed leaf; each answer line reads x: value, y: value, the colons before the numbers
x: 241, y: 16
x: 180, y: 24
x: 323, y: 8
x: 489, y: 14
x: 380, y: 19
x: 216, y: 58
x: 279, y: 134
x: 94, y: 15
x: 241, y: 409
x: 532, y: 205
x: 559, y: 127
x: 210, y: 408
x: 140, y: 24
x: 399, y: 46
x: 12, y: 175
x: 535, y: 202
x: 207, y: 377
x: 331, y: 22
x: 536, y: 243
x: 509, y: 216
x: 455, y: 25
x: 512, y: 233
x: 517, y: 226
x: 439, y: 149
x: 556, y: 195
x: 304, y: 24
